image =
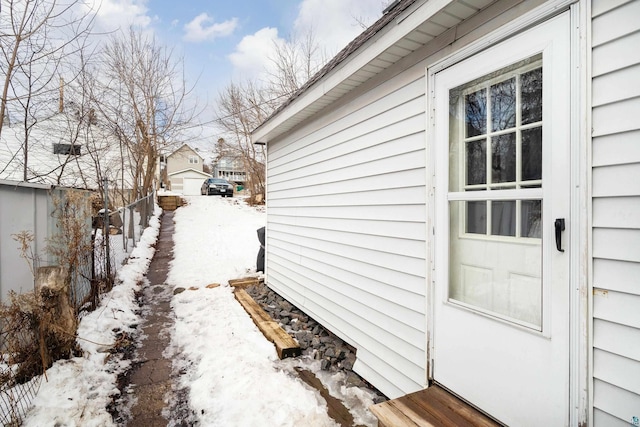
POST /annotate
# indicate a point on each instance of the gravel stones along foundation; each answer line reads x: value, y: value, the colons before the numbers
x: 314, y: 340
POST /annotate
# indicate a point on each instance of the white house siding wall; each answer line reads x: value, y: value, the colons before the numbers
x: 616, y: 211
x: 346, y: 228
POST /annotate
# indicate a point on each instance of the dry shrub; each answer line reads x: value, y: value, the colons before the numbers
x: 21, y: 342
x: 38, y: 327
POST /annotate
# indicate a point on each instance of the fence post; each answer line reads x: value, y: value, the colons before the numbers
x: 132, y: 232
x: 105, y: 230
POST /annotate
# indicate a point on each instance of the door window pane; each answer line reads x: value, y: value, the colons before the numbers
x: 503, y: 158
x: 531, y: 218
x: 476, y: 162
x: 531, y: 95
x: 476, y: 113
x: 503, y: 105
x: 532, y: 154
x: 503, y: 218
x: 476, y: 217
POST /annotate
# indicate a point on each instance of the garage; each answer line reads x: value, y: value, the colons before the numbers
x: 192, y: 186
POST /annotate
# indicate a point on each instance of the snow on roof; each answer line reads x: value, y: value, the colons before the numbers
x: 189, y: 147
x: 62, y: 151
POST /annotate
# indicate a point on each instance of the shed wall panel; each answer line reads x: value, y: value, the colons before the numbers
x: 616, y: 211
x: 22, y: 209
x: 346, y: 231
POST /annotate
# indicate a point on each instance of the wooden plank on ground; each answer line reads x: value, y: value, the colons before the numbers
x: 433, y: 406
x: 286, y: 346
x: 244, y: 282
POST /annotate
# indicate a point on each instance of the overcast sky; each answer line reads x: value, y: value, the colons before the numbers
x: 222, y: 40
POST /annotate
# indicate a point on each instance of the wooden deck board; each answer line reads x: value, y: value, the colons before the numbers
x: 285, y: 345
x: 431, y: 407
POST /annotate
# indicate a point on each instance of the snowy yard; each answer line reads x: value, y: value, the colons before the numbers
x: 231, y: 372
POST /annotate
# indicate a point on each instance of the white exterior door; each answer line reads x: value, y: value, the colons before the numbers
x: 502, y: 183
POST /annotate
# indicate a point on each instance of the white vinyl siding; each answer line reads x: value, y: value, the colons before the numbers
x: 616, y: 211
x: 346, y: 230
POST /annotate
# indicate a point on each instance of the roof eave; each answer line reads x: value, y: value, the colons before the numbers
x: 387, y: 37
x: 204, y: 174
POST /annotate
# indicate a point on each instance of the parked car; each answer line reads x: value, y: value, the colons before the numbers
x: 216, y: 186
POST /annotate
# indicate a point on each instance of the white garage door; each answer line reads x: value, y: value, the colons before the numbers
x: 192, y: 186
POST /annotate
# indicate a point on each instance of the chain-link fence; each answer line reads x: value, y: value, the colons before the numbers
x: 17, y: 387
x: 135, y: 218
x: 124, y: 227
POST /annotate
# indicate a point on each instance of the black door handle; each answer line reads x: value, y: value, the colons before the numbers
x: 559, y: 224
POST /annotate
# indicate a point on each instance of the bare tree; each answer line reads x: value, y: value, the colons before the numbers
x: 87, y: 134
x: 293, y: 62
x: 242, y: 107
x: 37, y: 39
x: 144, y: 99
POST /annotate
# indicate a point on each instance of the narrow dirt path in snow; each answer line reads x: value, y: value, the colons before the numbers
x: 150, y: 379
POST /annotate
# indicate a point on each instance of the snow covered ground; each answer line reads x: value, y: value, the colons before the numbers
x: 232, y: 374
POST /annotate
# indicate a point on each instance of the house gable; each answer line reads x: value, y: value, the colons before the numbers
x: 184, y: 157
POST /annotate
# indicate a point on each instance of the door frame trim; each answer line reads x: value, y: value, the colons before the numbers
x: 580, y: 269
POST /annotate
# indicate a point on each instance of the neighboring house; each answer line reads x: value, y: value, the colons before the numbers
x: 457, y: 195
x: 63, y: 151
x: 185, y: 171
x: 26, y: 207
x: 230, y: 168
